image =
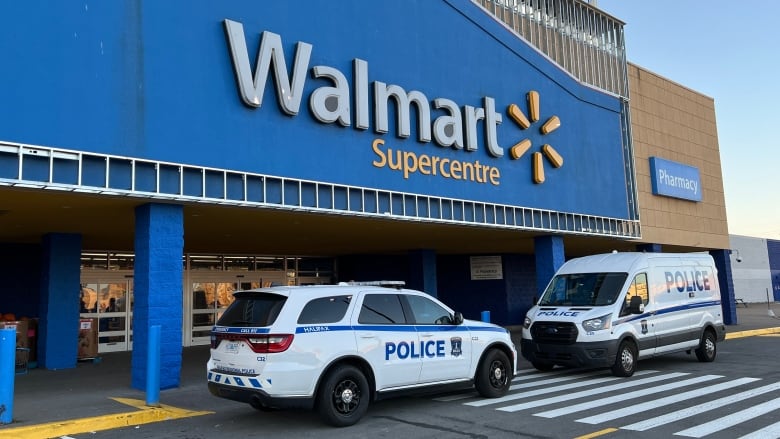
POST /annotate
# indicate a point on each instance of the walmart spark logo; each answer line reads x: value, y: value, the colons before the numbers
x: 520, y: 148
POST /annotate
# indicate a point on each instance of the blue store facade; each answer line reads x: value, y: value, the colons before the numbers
x: 421, y: 141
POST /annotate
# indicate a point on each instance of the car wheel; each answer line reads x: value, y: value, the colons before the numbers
x: 707, y: 348
x: 494, y: 374
x: 343, y: 396
x: 625, y: 360
x: 543, y: 366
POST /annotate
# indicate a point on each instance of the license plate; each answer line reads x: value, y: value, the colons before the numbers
x: 232, y: 347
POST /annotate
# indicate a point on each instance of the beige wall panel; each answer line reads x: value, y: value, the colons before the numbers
x: 675, y: 123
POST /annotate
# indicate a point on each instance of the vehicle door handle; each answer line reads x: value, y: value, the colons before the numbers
x: 427, y: 334
x: 366, y: 335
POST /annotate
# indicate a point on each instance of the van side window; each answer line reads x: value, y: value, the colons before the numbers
x: 638, y: 287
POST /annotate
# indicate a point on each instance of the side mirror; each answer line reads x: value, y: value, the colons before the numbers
x: 457, y: 319
x: 635, y: 306
x: 534, y: 300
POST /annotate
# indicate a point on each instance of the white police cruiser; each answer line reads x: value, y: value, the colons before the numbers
x: 337, y: 347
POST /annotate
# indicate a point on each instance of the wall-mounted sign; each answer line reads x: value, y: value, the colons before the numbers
x: 367, y: 95
x: 486, y: 268
x: 672, y: 179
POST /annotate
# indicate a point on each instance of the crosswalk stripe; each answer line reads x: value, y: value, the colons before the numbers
x: 698, y: 409
x: 641, y: 408
x: 731, y: 420
x: 624, y: 397
x: 569, y: 377
x: 523, y: 394
x: 562, y: 379
x: 770, y: 432
x: 621, y: 386
x: 530, y: 374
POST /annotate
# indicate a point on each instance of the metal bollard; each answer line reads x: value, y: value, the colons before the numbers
x: 486, y: 316
x: 153, y: 368
x: 7, y: 372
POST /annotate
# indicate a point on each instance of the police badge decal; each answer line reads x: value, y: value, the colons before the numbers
x: 455, y: 343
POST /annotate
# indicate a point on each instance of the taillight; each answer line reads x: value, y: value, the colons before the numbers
x: 259, y: 343
x: 269, y: 344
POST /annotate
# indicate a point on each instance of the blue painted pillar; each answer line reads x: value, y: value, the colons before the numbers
x: 549, y: 258
x: 7, y: 372
x: 422, y: 271
x: 649, y: 248
x: 726, y: 283
x: 159, y: 246
x: 58, y: 312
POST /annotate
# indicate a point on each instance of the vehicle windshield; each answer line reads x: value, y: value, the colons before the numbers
x: 252, y: 309
x: 583, y: 289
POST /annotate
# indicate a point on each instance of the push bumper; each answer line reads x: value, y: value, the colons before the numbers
x: 595, y: 354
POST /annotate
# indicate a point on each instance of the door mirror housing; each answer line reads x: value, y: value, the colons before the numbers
x: 635, y: 305
x: 457, y: 318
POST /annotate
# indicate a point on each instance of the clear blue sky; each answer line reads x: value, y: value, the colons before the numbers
x: 729, y: 51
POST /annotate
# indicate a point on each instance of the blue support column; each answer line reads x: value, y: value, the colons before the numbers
x: 726, y: 283
x: 7, y: 372
x: 159, y: 246
x: 649, y: 248
x: 58, y: 328
x: 422, y: 271
x: 549, y: 258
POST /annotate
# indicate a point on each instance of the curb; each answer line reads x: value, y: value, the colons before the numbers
x: 753, y: 332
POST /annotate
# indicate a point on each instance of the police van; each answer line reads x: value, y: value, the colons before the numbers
x: 611, y: 310
x: 335, y: 348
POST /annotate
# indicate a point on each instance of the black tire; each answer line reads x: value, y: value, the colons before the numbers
x: 708, y: 348
x: 494, y: 374
x: 542, y: 366
x: 343, y: 396
x: 625, y: 360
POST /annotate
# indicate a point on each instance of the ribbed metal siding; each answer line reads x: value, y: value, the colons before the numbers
x: 47, y: 168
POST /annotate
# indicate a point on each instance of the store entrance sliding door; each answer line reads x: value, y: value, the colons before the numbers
x: 107, y: 301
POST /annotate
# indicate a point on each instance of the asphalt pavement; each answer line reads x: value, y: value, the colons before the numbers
x: 97, y: 394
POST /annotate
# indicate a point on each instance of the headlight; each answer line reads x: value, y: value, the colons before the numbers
x: 527, y: 322
x: 597, y: 324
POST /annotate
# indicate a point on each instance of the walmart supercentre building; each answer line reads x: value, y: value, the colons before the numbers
x: 157, y: 156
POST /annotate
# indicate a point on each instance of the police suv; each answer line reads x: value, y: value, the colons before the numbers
x: 337, y: 347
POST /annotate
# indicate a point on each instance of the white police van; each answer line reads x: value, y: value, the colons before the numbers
x: 337, y: 347
x: 611, y: 310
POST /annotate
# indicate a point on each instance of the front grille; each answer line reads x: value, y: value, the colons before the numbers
x: 554, y: 332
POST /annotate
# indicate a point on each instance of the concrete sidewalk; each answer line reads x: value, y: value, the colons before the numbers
x: 753, y: 316
x: 101, y: 390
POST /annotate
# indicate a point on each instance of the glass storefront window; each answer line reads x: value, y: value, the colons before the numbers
x: 270, y: 263
x: 239, y: 263
x: 209, y: 283
x: 205, y: 262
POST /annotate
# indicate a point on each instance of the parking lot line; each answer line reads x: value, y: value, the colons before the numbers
x: 143, y: 415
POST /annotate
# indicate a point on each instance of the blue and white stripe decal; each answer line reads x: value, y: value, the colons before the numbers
x: 669, y: 310
x: 397, y: 328
x: 230, y: 380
